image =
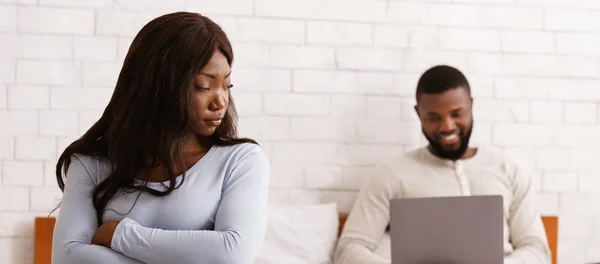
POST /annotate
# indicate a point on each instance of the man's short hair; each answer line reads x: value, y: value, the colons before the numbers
x: 441, y: 78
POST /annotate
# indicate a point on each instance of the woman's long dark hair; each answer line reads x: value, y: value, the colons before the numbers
x: 151, y: 110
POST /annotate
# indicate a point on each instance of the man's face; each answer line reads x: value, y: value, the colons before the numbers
x: 447, y: 121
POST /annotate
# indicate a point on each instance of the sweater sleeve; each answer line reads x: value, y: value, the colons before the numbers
x: 527, y: 232
x: 76, y: 223
x: 367, y: 221
x: 240, y: 224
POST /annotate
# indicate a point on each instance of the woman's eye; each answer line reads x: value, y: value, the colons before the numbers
x: 203, y: 88
x: 229, y: 86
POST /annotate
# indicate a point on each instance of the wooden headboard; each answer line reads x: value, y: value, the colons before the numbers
x: 44, y: 227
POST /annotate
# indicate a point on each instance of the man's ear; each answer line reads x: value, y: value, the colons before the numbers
x: 471, y: 106
x: 416, y: 107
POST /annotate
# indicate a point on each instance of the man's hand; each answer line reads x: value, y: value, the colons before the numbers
x: 104, y: 234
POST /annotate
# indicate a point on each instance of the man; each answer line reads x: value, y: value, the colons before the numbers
x: 446, y: 167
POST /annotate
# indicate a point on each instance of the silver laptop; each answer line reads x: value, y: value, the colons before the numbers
x: 464, y: 230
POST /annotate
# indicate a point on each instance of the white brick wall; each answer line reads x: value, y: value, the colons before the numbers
x: 327, y: 90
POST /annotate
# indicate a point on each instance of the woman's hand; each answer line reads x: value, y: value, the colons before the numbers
x: 104, y: 234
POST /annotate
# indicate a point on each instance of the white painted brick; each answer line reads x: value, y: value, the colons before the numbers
x: 26, y: 97
x: 10, y: 45
x: 18, y: 197
x: 86, y: 120
x: 549, y: 65
x: 548, y: 203
x: 549, y: 3
x: 227, y: 24
x: 521, y: 135
x: 343, y: 199
x: 88, y: 99
x: 520, y: 17
x: 299, y: 154
x: 406, y: 83
x: 589, y: 181
x: 45, y: 199
x: 95, y: 48
x: 353, y: 178
x: 547, y: 112
x: 120, y: 23
x: 287, y: 8
x: 591, y: 250
x: 406, y: 12
x: 575, y: 226
x: 286, y: 177
x: 336, y: 33
x: 524, y: 157
x: 354, y: 10
x: 296, y: 104
x: 19, y: 123
x: 453, y: 15
x: 574, y: 203
x: 49, y: 72
x: 265, y: 128
x: 551, y: 158
x: 379, y: 107
x: 8, y: 18
x: 496, y: 110
x: 22, y: 173
x: 56, y: 20
x: 59, y: 123
x: 35, y: 148
x: 323, y: 177
x: 7, y: 70
x: 248, y: 104
x: 16, y: 250
x: 400, y: 36
x: 19, y: 2
x: 560, y: 182
x: 3, y: 97
x: 348, y: 106
x: 482, y: 86
x: 322, y: 129
x: 45, y: 47
x: 572, y: 19
x: 17, y: 225
x: 316, y: 81
x: 366, y: 154
x: 579, y: 90
x: 77, y: 3
x: 380, y: 83
x: 577, y: 136
x: 268, y: 80
x: 581, y: 113
x: 408, y: 109
x: 469, y: 39
x: 571, y: 250
x: 577, y: 43
x: 123, y: 47
x: 148, y: 5
x: 584, y: 159
x: 399, y: 132
x: 368, y: 59
x: 484, y: 63
x: 421, y: 60
x: 528, y: 41
x: 289, y: 56
x: 250, y: 54
x: 63, y: 143
x: 271, y: 30
x: 220, y: 7
x: 101, y: 74
x: 50, y: 174
x: 482, y: 134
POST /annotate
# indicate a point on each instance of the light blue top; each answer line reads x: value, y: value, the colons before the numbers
x: 218, y: 215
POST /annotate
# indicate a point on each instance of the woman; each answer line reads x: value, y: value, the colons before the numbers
x: 162, y: 177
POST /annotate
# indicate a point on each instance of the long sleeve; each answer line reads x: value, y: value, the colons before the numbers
x: 367, y: 220
x: 76, y: 224
x: 240, y: 224
x: 527, y: 232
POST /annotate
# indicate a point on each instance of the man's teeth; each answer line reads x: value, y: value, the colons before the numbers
x: 451, y: 137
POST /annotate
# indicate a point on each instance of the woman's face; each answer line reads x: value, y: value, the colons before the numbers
x: 211, y: 94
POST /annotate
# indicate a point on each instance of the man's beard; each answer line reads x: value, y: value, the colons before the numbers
x: 439, y: 151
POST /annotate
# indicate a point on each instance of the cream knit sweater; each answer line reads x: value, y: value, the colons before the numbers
x: 420, y: 174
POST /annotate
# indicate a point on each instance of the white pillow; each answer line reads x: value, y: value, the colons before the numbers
x: 300, y: 233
